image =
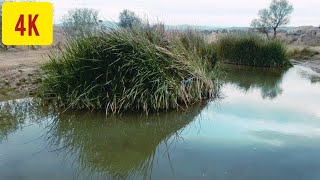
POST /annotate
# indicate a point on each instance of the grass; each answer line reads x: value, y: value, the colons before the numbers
x: 194, y: 41
x: 252, y: 50
x: 141, y: 69
x: 305, y: 53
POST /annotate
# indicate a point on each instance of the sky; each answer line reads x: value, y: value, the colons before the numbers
x: 223, y: 13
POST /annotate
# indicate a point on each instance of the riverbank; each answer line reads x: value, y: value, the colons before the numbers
x: 20, y: 71
x: 313, y: 64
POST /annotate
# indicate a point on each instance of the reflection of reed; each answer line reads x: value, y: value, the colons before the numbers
x: 268, y: 81
x: 15, y: 114
x: 121, y: 147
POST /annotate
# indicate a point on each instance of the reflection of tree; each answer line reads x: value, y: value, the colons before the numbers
x: 119, y: 146
x: 267, y: 80
x: 15, y: 114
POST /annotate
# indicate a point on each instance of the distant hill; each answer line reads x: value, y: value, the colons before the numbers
x: 209, y: 28
x: 113, y: 24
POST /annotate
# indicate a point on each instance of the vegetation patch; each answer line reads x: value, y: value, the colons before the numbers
x: 131, y: 69
x: 302, y: 54
x: 252, y: 50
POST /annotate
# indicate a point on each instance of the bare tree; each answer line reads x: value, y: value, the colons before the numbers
x: 277, y: 15
x: 128, y: 19
x: 81, y: 22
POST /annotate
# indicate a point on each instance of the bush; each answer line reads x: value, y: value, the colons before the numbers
x: 127, y: 69
x: 80, y: 22
x: 252, y: 50
x: 128, y: 19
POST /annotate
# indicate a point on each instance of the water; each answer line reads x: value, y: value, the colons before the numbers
x: 266, y: 126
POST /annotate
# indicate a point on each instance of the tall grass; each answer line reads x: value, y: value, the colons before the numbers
x: 139, y: 69
x: 302, y: 54
x: 195, y: 41
x: 253, y: 50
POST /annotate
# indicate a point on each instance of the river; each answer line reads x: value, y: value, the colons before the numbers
x: 266, y: 125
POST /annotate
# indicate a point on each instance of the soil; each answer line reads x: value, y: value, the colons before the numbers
x: 20, y: 72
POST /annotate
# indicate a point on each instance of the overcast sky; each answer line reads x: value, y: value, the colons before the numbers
x: 193, y: 12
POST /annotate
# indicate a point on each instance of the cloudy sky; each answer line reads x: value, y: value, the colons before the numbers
x: 193, y: 12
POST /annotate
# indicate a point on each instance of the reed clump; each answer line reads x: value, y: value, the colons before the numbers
x: 139, y: 69
x: 252, y: 50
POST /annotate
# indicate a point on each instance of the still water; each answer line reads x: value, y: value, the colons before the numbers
x: 265, y: 126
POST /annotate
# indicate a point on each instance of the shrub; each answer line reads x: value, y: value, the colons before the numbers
x: 80, y: 22
x: 252, y: 50
x: 127, y: 69
x: 128, y: 19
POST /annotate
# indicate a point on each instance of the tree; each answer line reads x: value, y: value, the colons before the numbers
x: 81, y: 22
x: 277, y: 15
x: 128, y: 19
x: 262, y: 24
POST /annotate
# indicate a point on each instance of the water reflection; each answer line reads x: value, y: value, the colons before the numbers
x: 121, y: 147
x: 14, y: 113
x: 116, y: 147
x: 243, y: 136
x: 310, y: 75
x: 247, y: 78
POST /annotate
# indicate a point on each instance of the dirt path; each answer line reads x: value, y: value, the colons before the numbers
x: 20, y: 72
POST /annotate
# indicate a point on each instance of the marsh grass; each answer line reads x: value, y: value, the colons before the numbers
x: 252, y: 50
x: 195, y: 41
x: 139, y: 69
x: 302, y: 54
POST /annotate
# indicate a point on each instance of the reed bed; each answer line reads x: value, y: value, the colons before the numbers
x: 139, y: 69
x: 252, y: 50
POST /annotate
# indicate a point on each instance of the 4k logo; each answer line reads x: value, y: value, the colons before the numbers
x: 27, y: 23
x: 32, y: 25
